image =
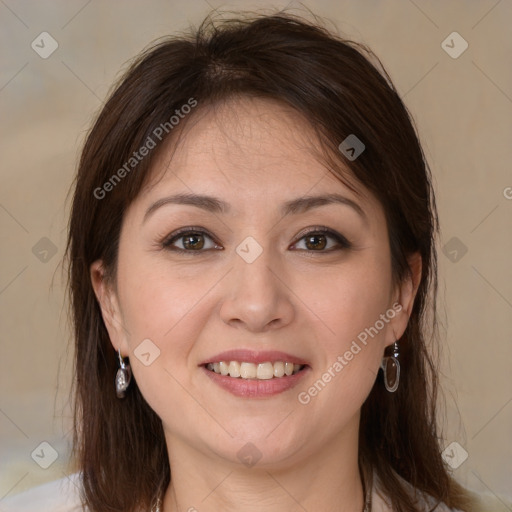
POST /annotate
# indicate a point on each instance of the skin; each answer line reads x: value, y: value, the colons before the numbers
x: 296, y: 297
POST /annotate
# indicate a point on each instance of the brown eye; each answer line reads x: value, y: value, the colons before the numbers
x: 190, y: 240
x: 193, y: 241
x: 317, y: 241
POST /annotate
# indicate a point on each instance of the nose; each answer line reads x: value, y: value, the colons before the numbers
x: 257, y: 297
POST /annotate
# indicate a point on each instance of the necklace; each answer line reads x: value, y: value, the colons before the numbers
x: 157, y: 506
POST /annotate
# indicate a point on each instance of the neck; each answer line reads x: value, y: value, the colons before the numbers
x: 326, y: 479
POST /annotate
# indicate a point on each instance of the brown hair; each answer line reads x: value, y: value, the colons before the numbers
x: 119, y: 445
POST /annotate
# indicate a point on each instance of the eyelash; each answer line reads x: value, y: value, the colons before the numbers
x: 343, y: 243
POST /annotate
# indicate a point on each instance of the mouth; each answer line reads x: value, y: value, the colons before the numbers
x: 251, y: 374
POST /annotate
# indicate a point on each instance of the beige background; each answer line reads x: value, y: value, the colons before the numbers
x: 463, y: 108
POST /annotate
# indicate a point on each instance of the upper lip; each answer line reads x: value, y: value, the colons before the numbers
x: 253, y: 356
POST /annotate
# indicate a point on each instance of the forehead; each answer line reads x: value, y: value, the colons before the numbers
x: 249, y: 125
x: 247, y: 146
x: 245, y: 136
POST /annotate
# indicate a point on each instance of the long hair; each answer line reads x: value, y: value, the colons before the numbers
x: 341, y: 88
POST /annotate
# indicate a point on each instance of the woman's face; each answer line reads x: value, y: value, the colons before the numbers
x: 246, y: 279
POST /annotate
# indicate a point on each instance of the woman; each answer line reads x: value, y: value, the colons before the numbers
x: 251, y: 251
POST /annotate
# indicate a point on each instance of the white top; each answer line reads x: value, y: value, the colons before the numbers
x: 63, y: 496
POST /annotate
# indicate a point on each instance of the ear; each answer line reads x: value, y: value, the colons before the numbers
x: 109, y: 304
x: 405, y: 295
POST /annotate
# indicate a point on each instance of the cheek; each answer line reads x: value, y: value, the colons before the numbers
x: 161, y: 303
x: 350, y: 303
x: 159, y: 306
x: 353, y: 304
x: 155, y: 298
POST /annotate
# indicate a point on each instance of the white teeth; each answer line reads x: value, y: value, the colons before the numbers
x: 262, y: 371
x: 233, y: 369
x: 265, y: 371
x: 278, y: 369
x: 248, y: 371
x: 224, y: 368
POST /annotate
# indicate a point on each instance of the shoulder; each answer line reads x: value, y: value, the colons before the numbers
x: 56, y: 496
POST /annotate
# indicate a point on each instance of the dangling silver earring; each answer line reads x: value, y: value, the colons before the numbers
x: 123, y: 377
x: 391, y: 369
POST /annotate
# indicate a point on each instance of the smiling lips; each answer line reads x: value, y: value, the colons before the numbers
x: 251, y: 374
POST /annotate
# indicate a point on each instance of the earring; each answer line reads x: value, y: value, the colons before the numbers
x: 123, y: 377
x: 391, y: 369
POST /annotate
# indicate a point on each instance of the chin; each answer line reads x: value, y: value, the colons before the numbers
x: 265, y: 446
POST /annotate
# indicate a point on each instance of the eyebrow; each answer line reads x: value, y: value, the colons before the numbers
x: 292, y: 207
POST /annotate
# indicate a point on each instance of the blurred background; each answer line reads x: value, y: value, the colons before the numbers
x: 450, y: 61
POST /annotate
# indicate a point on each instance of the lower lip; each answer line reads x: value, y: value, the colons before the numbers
x: 256, y: 388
